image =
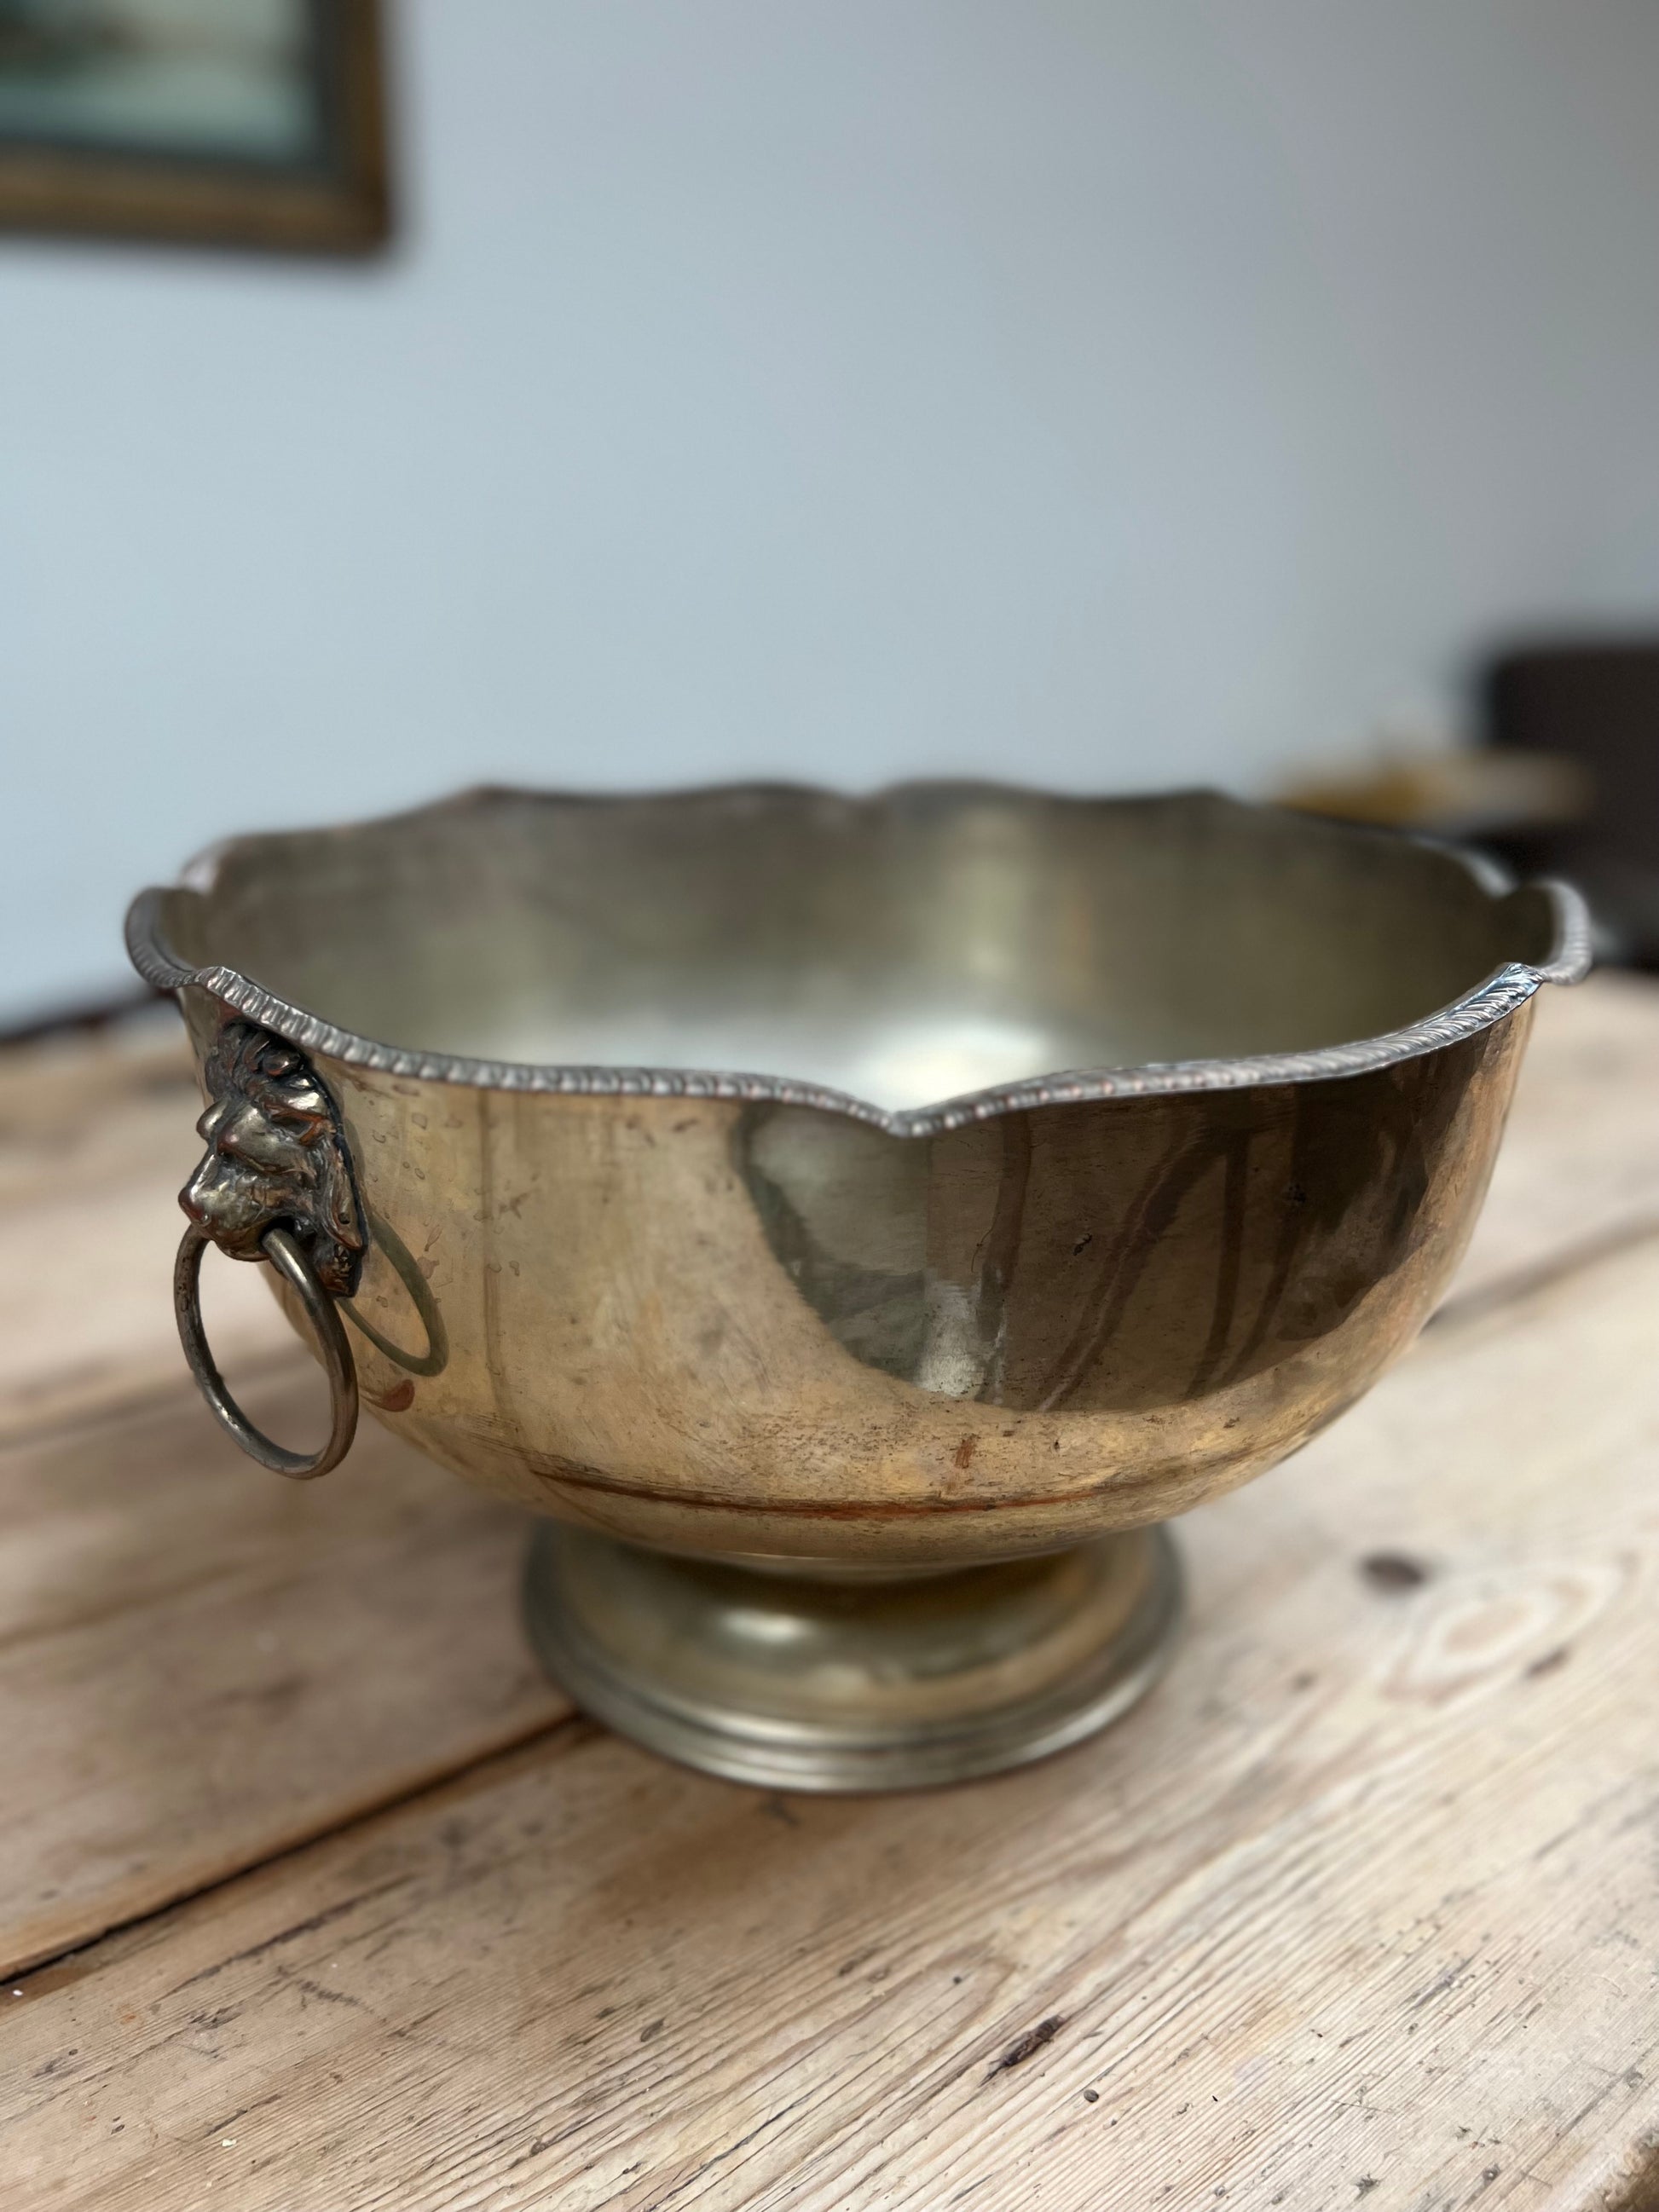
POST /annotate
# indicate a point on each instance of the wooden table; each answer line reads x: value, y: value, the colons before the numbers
x: 317, y: 1898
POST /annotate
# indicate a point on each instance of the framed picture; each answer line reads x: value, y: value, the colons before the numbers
x: 233, y: 122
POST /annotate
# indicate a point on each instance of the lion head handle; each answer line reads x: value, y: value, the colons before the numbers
x: 276, y: 1154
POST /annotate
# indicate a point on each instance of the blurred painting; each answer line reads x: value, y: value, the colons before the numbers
x: 259, y: 122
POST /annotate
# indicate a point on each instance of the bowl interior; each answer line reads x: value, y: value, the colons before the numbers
x: 936, y: 940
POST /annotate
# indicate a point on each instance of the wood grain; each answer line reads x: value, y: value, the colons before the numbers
x: 1360, y: 1904
x: 96, y: 1138
x: 200, y: 1667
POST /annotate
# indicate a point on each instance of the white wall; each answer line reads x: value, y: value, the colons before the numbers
x: 1097, y: 392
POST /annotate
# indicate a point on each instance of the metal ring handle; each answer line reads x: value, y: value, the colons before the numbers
x: 290, y: 1262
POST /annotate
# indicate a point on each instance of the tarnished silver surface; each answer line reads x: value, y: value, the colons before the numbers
x: 854, y: 1681
x: 1097, y: 1153
x: 274, y: 1184
x: 656, y: 832
x: 276, y: 1155
x: 279, y: 1249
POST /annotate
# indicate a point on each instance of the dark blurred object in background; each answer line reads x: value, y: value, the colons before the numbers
x: 1562, y: 779
x: 1596, y: 704
x: 1454, y: 792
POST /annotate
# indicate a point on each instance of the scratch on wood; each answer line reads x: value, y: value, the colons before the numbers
x: 306, y: 1927
x: 1441, y: 1982
x: 321, y: 1990
x: 1031, y: 2042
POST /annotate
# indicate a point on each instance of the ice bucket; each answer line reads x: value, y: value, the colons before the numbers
x: 855, y: 1223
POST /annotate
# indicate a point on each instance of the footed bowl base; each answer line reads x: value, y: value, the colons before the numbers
x: 800, y: 1676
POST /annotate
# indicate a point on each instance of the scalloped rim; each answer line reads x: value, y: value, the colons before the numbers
x: 1501, y: 993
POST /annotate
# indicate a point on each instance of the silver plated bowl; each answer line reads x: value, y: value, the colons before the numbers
x: 854, y: 1222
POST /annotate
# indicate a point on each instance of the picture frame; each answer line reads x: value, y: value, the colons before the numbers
x: 232, y: 123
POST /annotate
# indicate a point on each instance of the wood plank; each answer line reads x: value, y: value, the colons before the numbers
x: 96, y: 1136
x: 200, y: 1666
x: 1359, y: 1904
